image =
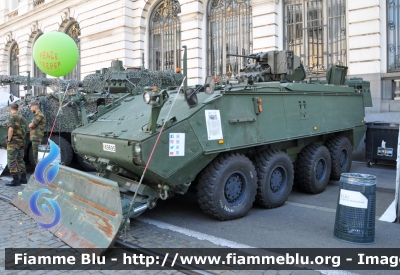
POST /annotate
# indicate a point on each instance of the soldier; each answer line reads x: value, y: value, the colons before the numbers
x: 37, y: 128
x: 16, y: 145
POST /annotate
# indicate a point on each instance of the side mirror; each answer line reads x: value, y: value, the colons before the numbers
x: 190, y: 94
x: 209, y: 85
x: 191, y: 97
x: 100, y: 102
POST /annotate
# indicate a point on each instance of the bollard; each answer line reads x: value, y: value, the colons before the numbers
x: 355, y: 213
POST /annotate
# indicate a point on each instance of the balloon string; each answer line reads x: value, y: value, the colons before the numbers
x: 150, y: 157
x: 55, y: 121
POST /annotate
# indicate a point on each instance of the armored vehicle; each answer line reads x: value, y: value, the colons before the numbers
x: 60, y: 115
x: 244, y: 142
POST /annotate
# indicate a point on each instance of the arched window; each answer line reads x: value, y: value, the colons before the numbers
x: 229, y: 32
x: 316, y: 31
x: 165, y: 36
x: 74, y: 31
x: 14, y: 68
x: 38, y: 73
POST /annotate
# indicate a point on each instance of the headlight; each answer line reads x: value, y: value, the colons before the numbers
x: 147, y: 97
x: 136, y: 155
x: 151, y: 95
x: 137, y: 149
x: 74, y: 139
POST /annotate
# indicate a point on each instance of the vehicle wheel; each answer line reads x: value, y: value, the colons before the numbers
x: 84, y: 165
x: 275, y: 178
x: 369, y: 163
x: 65, y: 148
x: 313, y: 168
x: 341, y: 156
x: 227, y: 187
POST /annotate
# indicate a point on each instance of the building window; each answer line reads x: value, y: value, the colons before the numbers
x: 316, y: 31
x: 38, y: 73
x: 393, y: 35
x: 14, y: 68
x: 74, y: 32
x: 229, y: 32
x: 165, y: 36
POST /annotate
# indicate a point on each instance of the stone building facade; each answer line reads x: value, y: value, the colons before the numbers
x: 363, y: 35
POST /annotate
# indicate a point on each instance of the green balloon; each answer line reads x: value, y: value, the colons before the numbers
x: 55, y: 53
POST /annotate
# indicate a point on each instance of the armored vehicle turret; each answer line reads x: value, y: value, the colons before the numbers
x: 240, y: 143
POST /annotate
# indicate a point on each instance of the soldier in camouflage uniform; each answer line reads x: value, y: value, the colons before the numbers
x: 36, y: 126
x: 16, y: 145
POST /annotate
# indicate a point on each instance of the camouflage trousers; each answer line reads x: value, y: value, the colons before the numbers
x: 35, y: 148
x: 15, y: 159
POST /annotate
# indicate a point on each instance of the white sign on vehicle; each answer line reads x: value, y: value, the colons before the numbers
x: 109, y: 147
x: 353, y: 199
x: 213, y: 122
x: 176, y: 144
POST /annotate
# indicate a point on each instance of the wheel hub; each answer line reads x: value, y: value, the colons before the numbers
x: 320, y: 169
x: 277, y: 179
x: 343, y: 158
x: 234, y: 188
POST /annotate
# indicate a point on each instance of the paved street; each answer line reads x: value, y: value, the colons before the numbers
x: 305, y: 221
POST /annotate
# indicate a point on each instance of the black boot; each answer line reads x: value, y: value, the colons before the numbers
x: 15, y: 181
x: 22, y: 179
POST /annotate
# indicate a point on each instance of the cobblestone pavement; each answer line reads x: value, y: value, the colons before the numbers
x: 18, y: 230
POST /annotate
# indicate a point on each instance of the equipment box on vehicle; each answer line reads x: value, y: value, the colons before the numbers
x: 381, y: 142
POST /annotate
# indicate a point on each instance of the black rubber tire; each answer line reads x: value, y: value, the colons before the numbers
x: 65, y: 147
x: 275, y: 178
x: 313, y: 168
x: 227, y: 187
x: 84, y: 165
x: 341, y: 156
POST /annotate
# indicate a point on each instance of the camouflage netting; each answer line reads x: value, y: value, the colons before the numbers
x: 162, y: 79
x: 50, y: 105
x: 5, y: 113
x: 97, y: 82
x: 55, y: 84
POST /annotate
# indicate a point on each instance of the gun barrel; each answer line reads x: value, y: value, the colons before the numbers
x: 37, y: 81
x: 239, y: 55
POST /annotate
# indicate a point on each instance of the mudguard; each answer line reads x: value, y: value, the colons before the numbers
x: 81, y: 209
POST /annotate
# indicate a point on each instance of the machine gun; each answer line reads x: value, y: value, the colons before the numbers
x: 281, y: 66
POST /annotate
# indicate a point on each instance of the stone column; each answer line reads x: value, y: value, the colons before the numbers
x: 397, y: 91
x: 364, y: 46
x: 3, y: 13
x: 265, y: 25
x: 191, y: 19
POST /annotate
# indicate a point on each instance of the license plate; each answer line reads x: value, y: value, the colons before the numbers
x: 109, y: 147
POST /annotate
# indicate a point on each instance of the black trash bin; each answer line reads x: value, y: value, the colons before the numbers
x: 355, y: 212
x: 381, y: 142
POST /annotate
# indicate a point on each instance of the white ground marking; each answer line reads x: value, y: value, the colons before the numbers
x: 194, y: 234
x: 219, y: 241
x: 336, y: 272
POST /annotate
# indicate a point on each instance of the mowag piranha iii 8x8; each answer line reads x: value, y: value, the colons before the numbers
x: 240, y: 143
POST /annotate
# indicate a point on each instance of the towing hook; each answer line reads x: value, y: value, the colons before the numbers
x: 163, y: 192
